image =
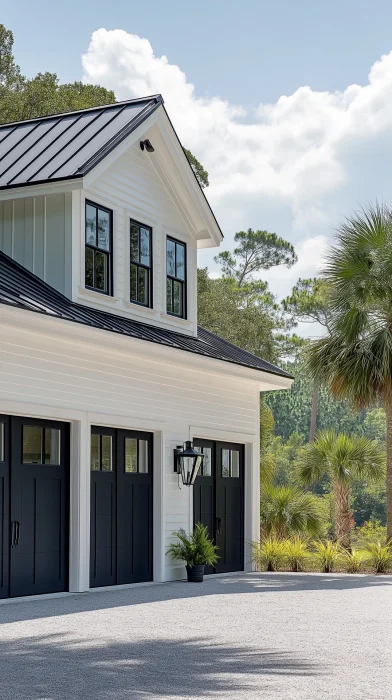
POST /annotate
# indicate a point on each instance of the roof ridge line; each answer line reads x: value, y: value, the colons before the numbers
x: 158, y: 98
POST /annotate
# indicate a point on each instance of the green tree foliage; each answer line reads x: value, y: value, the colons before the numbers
x: 355, y: 359
x: 25, y: 98
x: 307, y: 302
x: 292, y: 408
x: 343, y: 459
x: 200, y: 172
x: 255, y: 251
x: 246, y: 316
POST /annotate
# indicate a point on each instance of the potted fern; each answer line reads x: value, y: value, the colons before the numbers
x: 196, y: 550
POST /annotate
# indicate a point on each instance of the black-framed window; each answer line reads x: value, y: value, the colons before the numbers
x: 175, y: 277
x: 140, y: 241
x: 99, y: 235
x: 101, y: 453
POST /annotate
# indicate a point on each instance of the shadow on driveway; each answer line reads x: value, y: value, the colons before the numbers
x: 58, y: 668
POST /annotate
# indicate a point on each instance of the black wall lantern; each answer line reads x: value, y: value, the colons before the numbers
x: 187, y: 463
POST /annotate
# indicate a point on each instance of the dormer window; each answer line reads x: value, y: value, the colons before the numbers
x: 98, y: 267
x: 175, y: 278
x: 140, y: 264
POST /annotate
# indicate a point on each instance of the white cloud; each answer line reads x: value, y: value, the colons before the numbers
x: 294, y: 167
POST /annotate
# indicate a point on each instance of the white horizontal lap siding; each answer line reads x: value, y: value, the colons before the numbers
x: 136, y: 392
x: 133, y: 189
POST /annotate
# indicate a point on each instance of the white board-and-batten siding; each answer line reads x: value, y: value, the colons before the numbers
x: 133, y: 189
x: 129, y: 389
x: 36, y: 233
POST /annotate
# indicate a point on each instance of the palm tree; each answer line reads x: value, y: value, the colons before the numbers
x: 286, y: 510
x: 355, y: 359
x: 342, y: 458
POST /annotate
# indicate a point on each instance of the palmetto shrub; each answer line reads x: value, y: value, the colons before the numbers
x: 296, y: 553
x: 327, y: 555
x: 269, y: 554
x: 379, y: 556
x: 352, y: 561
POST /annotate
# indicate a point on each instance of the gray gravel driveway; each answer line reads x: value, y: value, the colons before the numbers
x: 250, y: 636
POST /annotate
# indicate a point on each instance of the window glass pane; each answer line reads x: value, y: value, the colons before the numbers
x: 206, y: 463
x: 32, y: 444
x: 106, y: 453
x: 145, y: 246
x: 235, y: 463
x: 91, y: 225
x: 103, y: 229
x: 101, y: 271
x: 52, y: 446
x: 225, y: 462
x: 95, y: 461
x: 143, y: 286
x: 130, y: 455
x: 171, y: 258
x: 180, y: 271
x: 2, y: 449
x: 143, y: 456
x: 169, y: 300
x: 133, y: 278
x: 177, y: 298
x: 89, y: 267
x: 134, y: 242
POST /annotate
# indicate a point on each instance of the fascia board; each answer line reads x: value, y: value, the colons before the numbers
x: 37, y: 190
x: 37, y: 323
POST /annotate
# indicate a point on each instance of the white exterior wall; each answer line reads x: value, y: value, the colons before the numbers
x: 133, y: 189
x: 58, y: 370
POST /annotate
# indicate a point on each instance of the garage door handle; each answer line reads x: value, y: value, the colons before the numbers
x: 218, y: 526
x: 17, y: 532
x: 13, y: 533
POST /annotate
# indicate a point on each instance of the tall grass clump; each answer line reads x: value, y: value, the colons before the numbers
x: 269, y: 554
x: 296, y: 553
x: 379, y: 556
x: 352, y: 561
x: 327, y: 555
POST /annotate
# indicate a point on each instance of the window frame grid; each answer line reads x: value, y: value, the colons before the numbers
x: 97, y: 249
x: 141, y: 265
x: 100, y: 436
x: 183, y: 283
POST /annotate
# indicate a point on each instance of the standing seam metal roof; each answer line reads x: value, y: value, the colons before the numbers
x: 22, y: 289
x: 64, y: 146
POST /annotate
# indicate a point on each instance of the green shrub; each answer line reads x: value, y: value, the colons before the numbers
x: 352, y: 561
x: 194, y: 549
x: 372, y: 531
x: 379, y: 557
x: 269, y: 554
x: 296, y: 553
x: 327, y: 555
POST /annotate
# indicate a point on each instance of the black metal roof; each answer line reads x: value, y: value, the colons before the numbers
x: 63, y: 146
x: 24, y: 290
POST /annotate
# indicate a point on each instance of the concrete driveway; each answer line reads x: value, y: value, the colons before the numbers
x: 251, y: 636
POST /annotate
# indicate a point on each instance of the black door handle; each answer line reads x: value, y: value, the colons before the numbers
x: 218, y: 526
x: 15, y: 532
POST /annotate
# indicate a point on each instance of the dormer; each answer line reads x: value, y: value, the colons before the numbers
x: 103, y: 205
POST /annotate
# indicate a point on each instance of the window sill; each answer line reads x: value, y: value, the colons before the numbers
x: 172, y: 317
x: 139, y: 308
x: 97, y: 296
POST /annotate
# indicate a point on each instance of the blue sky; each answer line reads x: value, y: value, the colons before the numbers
x: 288, y: 105
x: 246, y: 52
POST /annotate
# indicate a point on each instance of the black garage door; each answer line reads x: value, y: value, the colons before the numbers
x: 219, y: 501
x: 121, y: 507
x: 34, y: 476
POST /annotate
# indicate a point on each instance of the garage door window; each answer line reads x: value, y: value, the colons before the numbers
x: 136, y: 456
x: 101, y: 453
x: 230, y: 463
x: 41, y: 445
x: 2, y: 451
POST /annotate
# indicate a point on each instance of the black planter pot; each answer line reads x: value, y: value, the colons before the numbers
x: 195, y: 573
